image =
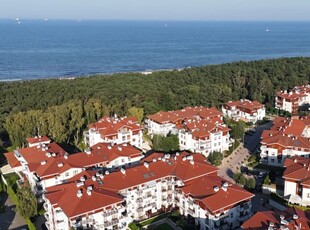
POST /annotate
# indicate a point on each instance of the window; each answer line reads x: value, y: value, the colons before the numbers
x: 308, y: 195
x: 66, y: 174
x: 231, y: 215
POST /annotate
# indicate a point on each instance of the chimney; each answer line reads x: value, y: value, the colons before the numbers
x: 123, y: 171
x: 216, y: 188
x: 225, y: 186
x: 146, y: 164
x: 60, y: 164
x: 79, y: 193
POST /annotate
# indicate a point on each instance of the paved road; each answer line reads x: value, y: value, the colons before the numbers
x: 239, y: 157
x: 252, y: 142
x: 9, y: 219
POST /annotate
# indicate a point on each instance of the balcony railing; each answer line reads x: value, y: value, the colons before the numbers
x: 111, y: 223
x: 109, y: 213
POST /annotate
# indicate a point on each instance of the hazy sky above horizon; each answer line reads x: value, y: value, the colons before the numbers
x: 157, y: 9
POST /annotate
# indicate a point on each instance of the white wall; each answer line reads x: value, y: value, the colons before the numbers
x: 289, y: 188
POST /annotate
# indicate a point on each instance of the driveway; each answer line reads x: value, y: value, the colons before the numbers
x: 9, y: 219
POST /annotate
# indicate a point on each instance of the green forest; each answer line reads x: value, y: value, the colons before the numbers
x: 62, y: 108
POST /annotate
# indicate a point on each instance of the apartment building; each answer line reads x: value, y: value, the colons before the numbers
x: 204, y: 136
x: 297, y: 180
x: 114, y: 130
x: 246, y: 110
x: 162, y: 123
x: 287, y: 137
x: 162, y: 182
x: 46, y: 164
x: 289, y: 219
x: 291, y: 100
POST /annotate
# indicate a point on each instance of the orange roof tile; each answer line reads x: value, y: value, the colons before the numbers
x: 202, y: 189
x: 261, y: 220
x: 108, y: 126
x: 245, y: 104
x: 33, y: 140
x: 103, y: 153
x: 12, y: 160
x: 65, y: 196
x: 186, y: 113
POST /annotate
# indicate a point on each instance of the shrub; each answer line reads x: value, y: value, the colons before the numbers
x: 133, y: 226
x: 215, y: 158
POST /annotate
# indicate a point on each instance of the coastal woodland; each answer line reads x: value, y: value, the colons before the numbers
x: 62, y: 108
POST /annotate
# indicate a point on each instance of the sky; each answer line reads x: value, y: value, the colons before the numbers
x: 157, y: 9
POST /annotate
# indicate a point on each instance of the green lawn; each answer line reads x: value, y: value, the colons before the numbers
x: 164, y: 226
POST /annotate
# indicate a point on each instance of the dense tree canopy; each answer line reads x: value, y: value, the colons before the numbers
x: 27, y: 202
x: 67, y: 105
x: 166, y: 144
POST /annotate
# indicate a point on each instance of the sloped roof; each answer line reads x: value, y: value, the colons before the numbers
x: 245, y: 104
x: 202, y: 189
x: 65, y: 196
x: 288, y: 132
x: 104, y: 153
x: 261, y: 220
x: 186, y: 113
x: 110, y: 126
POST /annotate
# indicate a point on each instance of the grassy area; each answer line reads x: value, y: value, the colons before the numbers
x: 253, y: 161
x: 164, y: 226
x: 154, y: 219
x: 11, y: 179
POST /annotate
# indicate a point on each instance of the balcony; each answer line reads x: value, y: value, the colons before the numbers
x: 191, y: 212
x: 59, y: 215
x: 110, y: 223
x: 244, y: 207
x: 45, y: 206
x: 110, y: 212
x: 60, y: 224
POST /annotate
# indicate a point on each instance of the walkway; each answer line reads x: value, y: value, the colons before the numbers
x: 233, y: 162
x: 10, y: 219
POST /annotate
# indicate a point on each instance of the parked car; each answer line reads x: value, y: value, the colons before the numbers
x: 261, y: 175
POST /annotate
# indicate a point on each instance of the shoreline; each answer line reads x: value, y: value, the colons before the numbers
x: 144, y: 72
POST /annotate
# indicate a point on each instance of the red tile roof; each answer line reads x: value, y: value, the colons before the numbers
x: 203, y: 128
x: 202, y: 189
x: 103, y: 153
x: 65, y: 196
x: 51, y: 160
x: 33, y: 140
x: 262, y: 220
x: 186, y: 113
x: 297, y: 169
x: 198, y: 175
x: 245, y: 104
x: 287, y: 132
x: 12, y: 160
x: 108, y: 126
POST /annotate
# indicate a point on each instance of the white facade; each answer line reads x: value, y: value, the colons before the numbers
x: 272, y: 157
x: 282, y: 104
x: 160, y: 129
x: 217, y: 142
x: 236, y: 114
x: 124, y: 135
x: 149, y: 198
x: 289, y: 188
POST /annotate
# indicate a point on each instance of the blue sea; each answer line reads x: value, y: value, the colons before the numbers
x: 33, y: 49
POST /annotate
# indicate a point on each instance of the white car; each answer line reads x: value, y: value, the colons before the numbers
x: 261, y: 174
